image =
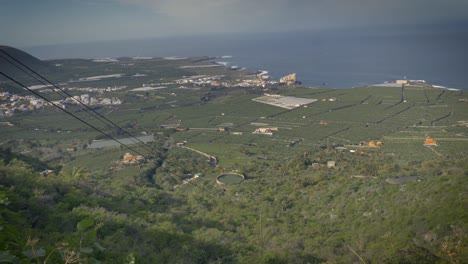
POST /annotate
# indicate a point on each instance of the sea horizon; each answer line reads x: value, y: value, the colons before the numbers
x: 335, y: 58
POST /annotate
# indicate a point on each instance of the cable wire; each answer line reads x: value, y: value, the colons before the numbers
x: 95, y: 114
x: 69, y: 113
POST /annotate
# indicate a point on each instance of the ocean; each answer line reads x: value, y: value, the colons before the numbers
x: 333, y: 58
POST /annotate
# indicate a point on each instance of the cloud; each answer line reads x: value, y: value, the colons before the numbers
x: 211, y: 15
x: 271, y: 15
x: 90, y: 20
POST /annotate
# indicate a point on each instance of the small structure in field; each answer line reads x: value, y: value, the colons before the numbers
x: 430, y: 142
x: 375, y: 144
x: 46, y: 172
x: 265, y: 131
x: 131, y: 159
x: 315, y: 165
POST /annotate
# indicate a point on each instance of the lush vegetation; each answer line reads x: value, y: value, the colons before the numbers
x: 402, y: 202
x: 294, y: 212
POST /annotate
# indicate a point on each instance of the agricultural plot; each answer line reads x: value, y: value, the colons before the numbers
x: 357, y: 115
x: 230, y: 153
x: 408, y: 150
x: 97, y: 161
x: 287, y: 102
x: 343, y: 116
x: 116, y: 143
x: 354, y: 205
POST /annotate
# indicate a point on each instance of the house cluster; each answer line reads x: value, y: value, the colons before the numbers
x: 98, y: 90
x: 89, y: 100
x: 157, y: 84
x: 258, y: 82
x: 201, y: 80
x: 88, y: 89
x: 265, y: 131
x: 216, y: 80
x: 13, y: 103
x: 248, y: 83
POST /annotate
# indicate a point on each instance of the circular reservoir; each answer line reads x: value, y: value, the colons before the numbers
x: 230, y: 178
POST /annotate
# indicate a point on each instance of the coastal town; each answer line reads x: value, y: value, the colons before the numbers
x: 11, y: 104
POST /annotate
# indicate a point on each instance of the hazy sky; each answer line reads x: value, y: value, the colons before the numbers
x: 38, y: 22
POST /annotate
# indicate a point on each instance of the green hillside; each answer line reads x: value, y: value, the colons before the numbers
x: 345, y: 179
x: 8, y: 66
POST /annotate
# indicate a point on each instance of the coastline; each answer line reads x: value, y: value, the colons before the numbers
x: 352, y: 79
x: 337, y: 60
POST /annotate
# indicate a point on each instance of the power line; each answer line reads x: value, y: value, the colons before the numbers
x: 93, y: 127
x: 96, y: 114
x: 87, y: 110
x: 69, y: 113
x: 133, y: 138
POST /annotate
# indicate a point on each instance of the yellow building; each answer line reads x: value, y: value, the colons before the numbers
x: 290, y: 79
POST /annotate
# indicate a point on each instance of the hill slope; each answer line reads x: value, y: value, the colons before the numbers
x: 22, y: 56
x: 32, y: 62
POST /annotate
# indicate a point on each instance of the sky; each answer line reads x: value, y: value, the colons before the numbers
x: 26, y: 23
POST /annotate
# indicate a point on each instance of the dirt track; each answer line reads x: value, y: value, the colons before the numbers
x: 422, y: 138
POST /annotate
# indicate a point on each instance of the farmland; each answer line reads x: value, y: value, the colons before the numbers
x: 338, y: 117
x: 350, y: 118
x: 338, y: 176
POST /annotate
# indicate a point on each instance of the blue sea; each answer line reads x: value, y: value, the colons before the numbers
x: 333, y: 58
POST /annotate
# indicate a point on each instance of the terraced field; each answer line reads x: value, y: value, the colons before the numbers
x: 401, y: 118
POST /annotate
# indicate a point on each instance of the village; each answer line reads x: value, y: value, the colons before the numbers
x: 14, y: 103
x: 11, y: 104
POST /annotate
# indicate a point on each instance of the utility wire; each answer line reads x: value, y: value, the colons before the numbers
x: 69, y: 113
x: 133, y: 138
x: 93, y: 127
x: 81, y: 103
x: 39, y: 80
x: 95, y: 115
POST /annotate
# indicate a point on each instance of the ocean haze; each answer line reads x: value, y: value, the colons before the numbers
x: 57, y: 22
x: 332, y: 58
